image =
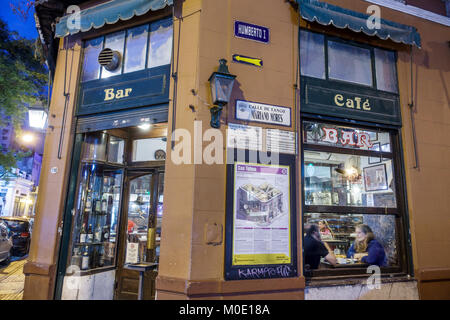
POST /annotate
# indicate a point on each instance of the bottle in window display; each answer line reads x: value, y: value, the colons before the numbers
x: 101, y: 260
x: 98, y: 206
x: 110, y: 202
x: 88, y: 205
x: 104, y: 205
x: 90, y: 235
x: 94, y: 262
x: 76, y: 258
x: 83, y: 234
x: 98, y: 233
x: 85, y: 259
x: 105, y: 234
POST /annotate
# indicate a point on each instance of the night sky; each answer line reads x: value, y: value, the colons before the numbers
x: 25, y: 28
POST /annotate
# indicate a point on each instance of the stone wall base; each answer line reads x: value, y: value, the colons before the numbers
x: 405, y: 290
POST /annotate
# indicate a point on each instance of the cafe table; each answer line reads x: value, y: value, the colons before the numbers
x: 328, y: 265
x: 142, y: 267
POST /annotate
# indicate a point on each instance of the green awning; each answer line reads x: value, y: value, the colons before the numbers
x: 107, y: 13
x: 326, y: 14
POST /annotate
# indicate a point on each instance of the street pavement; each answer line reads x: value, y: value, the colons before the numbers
x: 12, y: 279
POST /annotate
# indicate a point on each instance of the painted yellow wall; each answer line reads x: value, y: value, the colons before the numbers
x: 42, y: 259
x: 189, y: 265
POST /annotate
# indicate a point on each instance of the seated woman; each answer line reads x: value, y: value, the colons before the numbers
x: 325, y: 231
x: 366, y: 248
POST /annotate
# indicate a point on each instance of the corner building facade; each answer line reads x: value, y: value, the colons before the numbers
x: 132, y: 206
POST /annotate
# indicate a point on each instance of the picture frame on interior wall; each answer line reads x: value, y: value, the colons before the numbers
x: 414, y: 11
x: 375, y: 178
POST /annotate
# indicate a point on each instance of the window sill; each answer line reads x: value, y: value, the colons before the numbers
x: 91, y: 271
x: 354, y: 280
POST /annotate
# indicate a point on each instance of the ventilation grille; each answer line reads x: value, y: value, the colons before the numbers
x: 109, y: 59
x: 105, y: 57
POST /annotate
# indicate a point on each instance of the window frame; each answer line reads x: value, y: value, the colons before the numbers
x: 401, y: 220
x: 371, y: 48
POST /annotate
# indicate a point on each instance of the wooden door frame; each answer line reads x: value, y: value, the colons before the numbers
x: 121, y: 241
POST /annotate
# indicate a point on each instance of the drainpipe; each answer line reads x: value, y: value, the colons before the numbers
x: 411, y: 110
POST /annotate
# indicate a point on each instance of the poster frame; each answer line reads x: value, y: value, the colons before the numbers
x: 260, y: 271
x: 369, y: 171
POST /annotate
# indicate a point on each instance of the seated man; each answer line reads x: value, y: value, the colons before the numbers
x: 314, y: 248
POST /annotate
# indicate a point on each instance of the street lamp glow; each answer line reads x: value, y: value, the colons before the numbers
x: 27, y: 138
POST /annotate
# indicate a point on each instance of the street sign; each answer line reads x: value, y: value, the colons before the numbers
x: 261, y: 112
x: 251, y: 31
x: 247, y: 60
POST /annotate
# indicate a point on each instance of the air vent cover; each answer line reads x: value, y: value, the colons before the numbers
x: 109, y: 59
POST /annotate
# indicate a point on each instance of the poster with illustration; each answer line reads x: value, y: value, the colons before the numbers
x: 261, y: 216
x: 375, y: 178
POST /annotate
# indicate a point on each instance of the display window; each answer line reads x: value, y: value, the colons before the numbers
x: 113, y: 226
x: 97, y: 207
x: 352, y: 213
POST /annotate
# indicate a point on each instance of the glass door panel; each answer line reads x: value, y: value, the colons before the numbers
x: 139, y: 207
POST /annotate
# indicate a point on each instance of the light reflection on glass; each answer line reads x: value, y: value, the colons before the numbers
x: 160, y: 51
x: 136, y: 49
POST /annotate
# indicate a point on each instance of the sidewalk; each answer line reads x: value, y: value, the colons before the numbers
x: 12, y: 279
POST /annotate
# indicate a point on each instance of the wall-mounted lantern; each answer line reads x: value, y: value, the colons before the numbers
x: 221, y: 86
x: 37, y: 117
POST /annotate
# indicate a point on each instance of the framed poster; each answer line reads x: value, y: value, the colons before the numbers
x: 375, y: 178
x: 261, y: 228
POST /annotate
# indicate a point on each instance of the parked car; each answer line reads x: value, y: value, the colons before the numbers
x: 6, y: 242
x: 21, y: 236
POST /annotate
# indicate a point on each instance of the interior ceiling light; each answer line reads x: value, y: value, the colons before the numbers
x: 145, y: 126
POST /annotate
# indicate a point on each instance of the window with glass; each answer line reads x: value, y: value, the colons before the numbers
x: 149, y: 149
x: 142, y: 47
x: 97, y: 205
x: 312, y: 53
x: 330, y: 58
x: 350, y: 195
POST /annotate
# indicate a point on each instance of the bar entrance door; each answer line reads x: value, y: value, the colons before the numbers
x: 140, y: 229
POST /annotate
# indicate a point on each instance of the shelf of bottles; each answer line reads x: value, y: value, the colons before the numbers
x: 96, y: 215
